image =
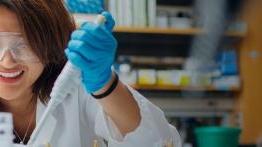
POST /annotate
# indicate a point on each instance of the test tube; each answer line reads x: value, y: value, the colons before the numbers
x: 6, y: 129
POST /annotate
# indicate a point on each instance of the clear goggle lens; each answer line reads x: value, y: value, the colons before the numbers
x: 17, y: 46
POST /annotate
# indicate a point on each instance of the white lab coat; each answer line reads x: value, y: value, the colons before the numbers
x: 80, y: 120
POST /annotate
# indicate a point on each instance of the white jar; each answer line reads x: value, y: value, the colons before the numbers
x: 181, y: 22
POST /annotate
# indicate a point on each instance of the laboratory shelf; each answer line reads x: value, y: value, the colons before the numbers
x: 80, y: 18
x: 184, y: 88
x: 170, y: 31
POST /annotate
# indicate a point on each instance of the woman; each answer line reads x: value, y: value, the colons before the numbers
x: 33, y: 36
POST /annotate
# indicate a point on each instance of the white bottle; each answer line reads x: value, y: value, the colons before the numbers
x: 6, y: 130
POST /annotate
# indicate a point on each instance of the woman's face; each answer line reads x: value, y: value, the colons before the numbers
x: 16, y: 78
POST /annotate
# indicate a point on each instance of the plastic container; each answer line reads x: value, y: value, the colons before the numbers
x: 217, y: 136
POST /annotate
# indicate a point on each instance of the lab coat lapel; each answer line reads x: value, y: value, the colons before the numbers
x: 48, y: 129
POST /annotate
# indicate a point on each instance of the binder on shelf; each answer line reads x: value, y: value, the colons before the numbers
x: 139, y: 12
x: 151, y: 12
x: 124, y: 12
x: 128, y: 13
x: 135, y: 12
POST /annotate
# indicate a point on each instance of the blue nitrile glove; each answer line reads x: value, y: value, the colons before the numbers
x: 92, y: 49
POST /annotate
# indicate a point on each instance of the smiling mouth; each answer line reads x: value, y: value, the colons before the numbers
x: 11, y: 75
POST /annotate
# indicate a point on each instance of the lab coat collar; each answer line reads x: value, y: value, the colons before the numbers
x: 46, y: 133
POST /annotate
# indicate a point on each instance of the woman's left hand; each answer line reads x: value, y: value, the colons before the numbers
x: 92, y: 49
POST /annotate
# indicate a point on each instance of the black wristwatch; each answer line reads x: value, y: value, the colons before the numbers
x: 109, y: 90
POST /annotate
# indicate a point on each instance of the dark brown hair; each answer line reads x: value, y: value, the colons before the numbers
x: 47, y: 26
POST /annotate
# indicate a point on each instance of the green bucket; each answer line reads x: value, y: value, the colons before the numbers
x: 217, y: 136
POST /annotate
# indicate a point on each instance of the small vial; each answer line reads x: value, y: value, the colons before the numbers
x: 6, y: 130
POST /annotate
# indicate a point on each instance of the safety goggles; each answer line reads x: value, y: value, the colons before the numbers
x: 17, y: 46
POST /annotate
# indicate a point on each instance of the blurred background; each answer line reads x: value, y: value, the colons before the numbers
x: 199, y: 60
